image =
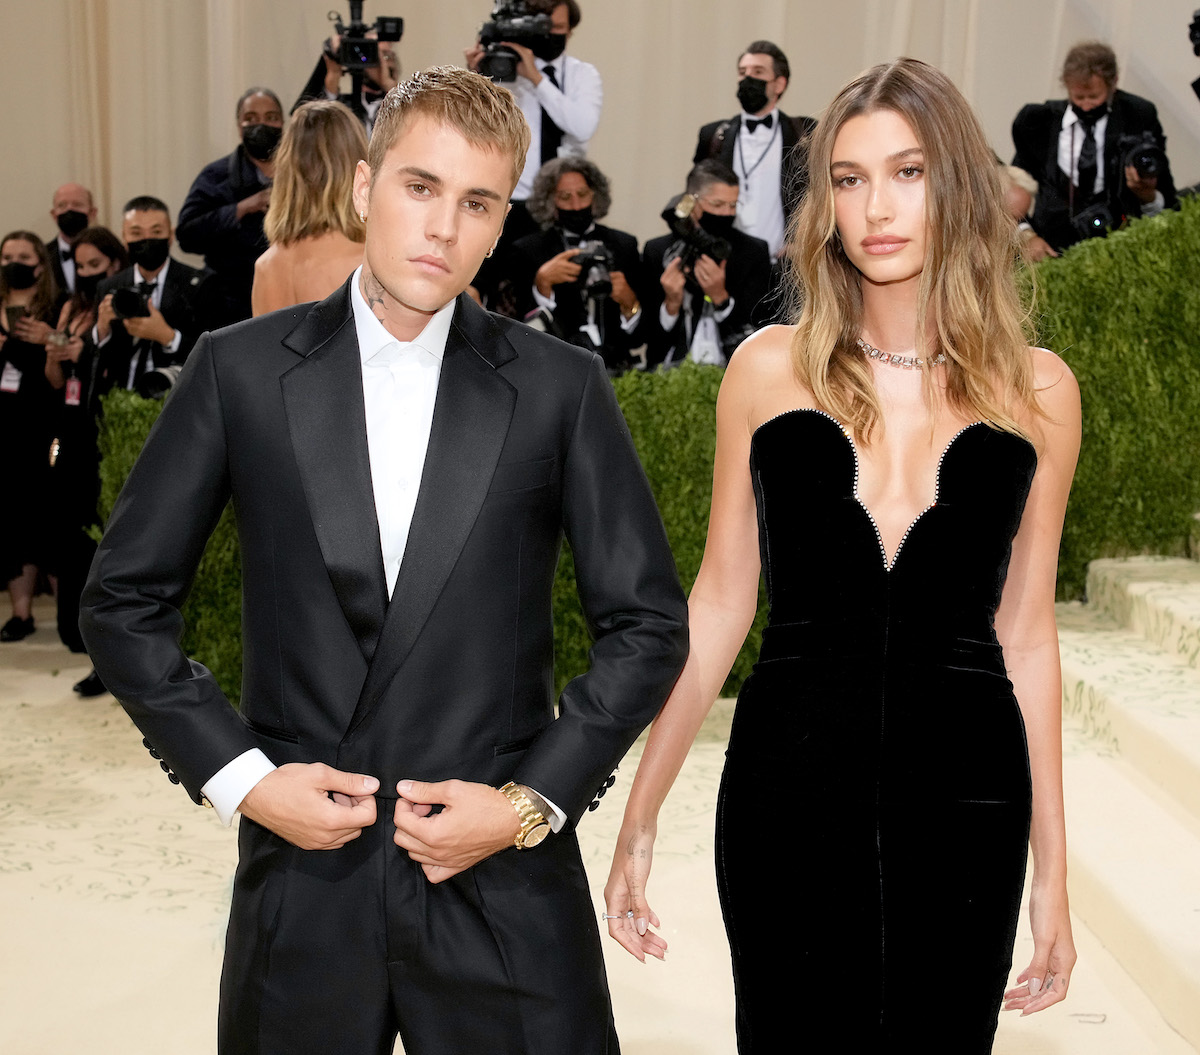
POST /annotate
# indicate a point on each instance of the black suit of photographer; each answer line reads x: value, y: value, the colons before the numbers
x: 747, y: 280
x: 571, y: 308
x: 1035, y: 134
x: 187, y: 305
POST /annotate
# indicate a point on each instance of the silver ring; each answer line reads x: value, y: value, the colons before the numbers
x: 605, y: 915
x: 629, y: 914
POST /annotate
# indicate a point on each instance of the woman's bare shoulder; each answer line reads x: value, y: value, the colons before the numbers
x: 1057, y: 389
x: 761, y: 376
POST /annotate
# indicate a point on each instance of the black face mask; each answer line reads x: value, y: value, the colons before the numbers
x: 752, y: 94
x: 549, y: 48
x: 1090, y: 117
x: 18, y: 276
x: 87, y: 285
x: 71, y: 223
x: 575, y: 220
x: 149, y: 253
x: 260, y: 141
x: 720, y: 226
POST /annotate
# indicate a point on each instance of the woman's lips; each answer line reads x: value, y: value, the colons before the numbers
x: 881, y: 245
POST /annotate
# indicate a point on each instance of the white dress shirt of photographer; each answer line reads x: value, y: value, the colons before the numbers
x: 148, y: 228
x: 566, y: 89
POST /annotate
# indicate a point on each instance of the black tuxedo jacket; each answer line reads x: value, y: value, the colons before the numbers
x: 747, y: 280
x: 60, y: 278
x: 793, y: 176
x: 1035, y: 134
x: 187, y: 305
x: 451, y: 678
x: 531, y: 252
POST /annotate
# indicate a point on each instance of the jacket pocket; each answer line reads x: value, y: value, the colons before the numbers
x: 521, y: 476
x: 269, y: 732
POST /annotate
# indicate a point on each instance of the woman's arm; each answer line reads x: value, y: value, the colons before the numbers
x: 1026, y: 629
x: 721, y: 608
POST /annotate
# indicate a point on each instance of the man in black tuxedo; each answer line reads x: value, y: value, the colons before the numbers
x: 703, y: 309
x: 404, y: 467
x: 177, y: 302
x: 72, y: 209
x: 569, y: 195
x: 764, y: 146
x: 1074, y: 148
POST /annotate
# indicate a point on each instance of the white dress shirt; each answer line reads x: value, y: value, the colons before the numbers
x: 1070, y: 143
x: 400, y: 382
x: 758, y: 162
x: 61, y: 246
x: 574, y: 106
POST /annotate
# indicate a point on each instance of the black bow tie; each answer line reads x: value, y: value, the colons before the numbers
x: 66, y: 254
x: 147, y: 288
x: 753, y: 123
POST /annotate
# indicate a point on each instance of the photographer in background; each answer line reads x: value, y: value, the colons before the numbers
x: 150, y: 314
x: 326, y: 80
x: 72, y: 209
x: 559, y: 95
x: 712, y: 278
x: 222, y: 216
x: 580, y: 273
x: 1098, y: 156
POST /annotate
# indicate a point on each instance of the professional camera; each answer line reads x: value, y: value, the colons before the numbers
x: 155, y: 384
x: 1142, y: 151
x: 1095, y: 220
x: 513, y: 21
x: 357, y: 51
x: 596, y: 262
x: 693, y: 241
x: 131, y: 302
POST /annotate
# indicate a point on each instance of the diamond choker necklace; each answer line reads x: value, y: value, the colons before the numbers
x: 906, y: 362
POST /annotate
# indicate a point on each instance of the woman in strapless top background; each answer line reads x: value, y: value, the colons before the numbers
x: 897, y: 464
x: 316, y: 236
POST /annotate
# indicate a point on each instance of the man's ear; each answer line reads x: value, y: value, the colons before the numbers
x: 362, y: 187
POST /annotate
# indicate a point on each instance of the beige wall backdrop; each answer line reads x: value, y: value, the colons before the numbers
x: 135, y: 96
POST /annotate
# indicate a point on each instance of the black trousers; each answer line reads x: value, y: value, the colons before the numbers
x: 338, y: 951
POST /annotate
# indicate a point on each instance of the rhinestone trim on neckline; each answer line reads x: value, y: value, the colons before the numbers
x: 906, y: 362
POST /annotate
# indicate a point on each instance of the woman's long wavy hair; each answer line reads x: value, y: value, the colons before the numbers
x: 312, y: 192
x: 45, y: 290
x: 968, y: 303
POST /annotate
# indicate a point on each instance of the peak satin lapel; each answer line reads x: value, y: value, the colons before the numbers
x: 471, y: 417
x: 326, y: 416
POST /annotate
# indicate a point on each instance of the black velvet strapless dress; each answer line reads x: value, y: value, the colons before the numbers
x: 873, y: 820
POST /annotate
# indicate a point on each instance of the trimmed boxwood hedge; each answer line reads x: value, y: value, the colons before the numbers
x: 1123, y: 311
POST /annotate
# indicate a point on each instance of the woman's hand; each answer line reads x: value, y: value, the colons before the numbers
x: 628, y: 916
x: 32, y: 330
x: 1045, y: 980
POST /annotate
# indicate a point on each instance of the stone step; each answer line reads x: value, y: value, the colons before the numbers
x: 1136, y: 699
x: 1158, y: 597
x: 1134, y: 877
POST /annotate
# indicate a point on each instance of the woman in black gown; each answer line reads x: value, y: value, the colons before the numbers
x: 897, y: 748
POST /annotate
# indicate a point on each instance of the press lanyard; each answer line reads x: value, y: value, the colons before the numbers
x: 775, y: 130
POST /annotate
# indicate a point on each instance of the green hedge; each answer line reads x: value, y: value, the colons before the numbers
x: 1123, y: 311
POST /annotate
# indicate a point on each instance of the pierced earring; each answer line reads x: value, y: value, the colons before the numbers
x: 493, y: 249
x: 362, y: 215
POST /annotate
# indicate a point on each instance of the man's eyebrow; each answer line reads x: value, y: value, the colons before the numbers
x: 436, y: 181
x: 910, y: 152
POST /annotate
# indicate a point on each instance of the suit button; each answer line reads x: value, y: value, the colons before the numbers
x: 593, y: 804
x: 172, y: 778
x: 165, y: 768
x: 611, y: 781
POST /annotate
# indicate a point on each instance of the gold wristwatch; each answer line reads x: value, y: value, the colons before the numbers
x: 534, y: 826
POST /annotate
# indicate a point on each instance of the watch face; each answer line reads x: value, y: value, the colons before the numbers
x: 535, y: 835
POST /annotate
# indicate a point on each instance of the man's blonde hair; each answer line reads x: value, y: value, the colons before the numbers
x: 485, y: 114
x: 314, y: 175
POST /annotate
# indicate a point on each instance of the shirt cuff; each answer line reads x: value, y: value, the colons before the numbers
x: 96, y: 337
x: 548, y: 303
x: 176, y: 341
x: 230, y: 784
x: 1153, y: 208
x: 665, y: 319
x: 723, y: 314
x: 557, y: 818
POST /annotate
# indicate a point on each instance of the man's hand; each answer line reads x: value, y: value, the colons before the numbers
x: 104, y: 317
x: 475, y: 822
x: 672, y: 281
x: 152, y: 327
x: 711, y: 277
x: 333, y: 68
x: 556, y: 271
x: 622, y: 293
x: 526, y: 68
x: 1144, y: 187
x: 473, y: 54
x: 1038, y: 248
x: 294, y: 802
x: 257, y: 202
